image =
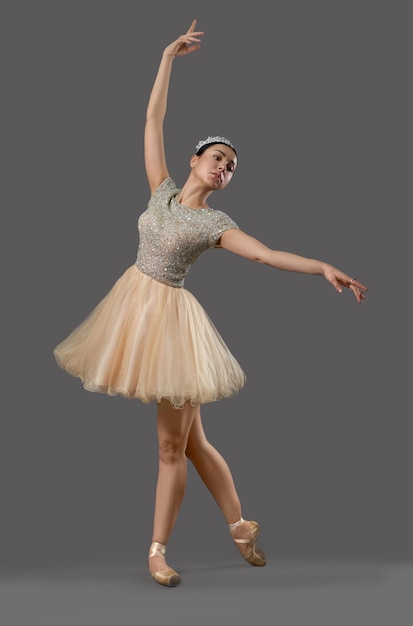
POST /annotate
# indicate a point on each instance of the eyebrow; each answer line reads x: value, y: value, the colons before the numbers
x: 223, y: 154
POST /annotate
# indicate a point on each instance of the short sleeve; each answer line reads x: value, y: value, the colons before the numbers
x: 165, y: 191
x: 221, y: 223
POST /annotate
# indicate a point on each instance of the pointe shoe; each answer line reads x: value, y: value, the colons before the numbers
x: 251, y: 554
x: 165, y: 576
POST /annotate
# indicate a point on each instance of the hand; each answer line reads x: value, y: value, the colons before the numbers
x: 338, y: 279
x: 185, y: 44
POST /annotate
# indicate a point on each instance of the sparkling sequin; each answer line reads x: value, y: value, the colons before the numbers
x: 172, y: 236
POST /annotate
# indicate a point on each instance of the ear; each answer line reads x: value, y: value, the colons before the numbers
x: 194, y: 160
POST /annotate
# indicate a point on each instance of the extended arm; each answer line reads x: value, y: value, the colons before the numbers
x: 155, y: 162
x: 243, y: 244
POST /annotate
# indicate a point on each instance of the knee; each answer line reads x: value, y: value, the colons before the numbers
x: 171, y: 449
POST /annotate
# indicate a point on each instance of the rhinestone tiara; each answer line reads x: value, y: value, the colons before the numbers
x: 210, y: 140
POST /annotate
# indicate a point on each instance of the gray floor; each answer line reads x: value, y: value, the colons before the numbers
x: 288, y: 593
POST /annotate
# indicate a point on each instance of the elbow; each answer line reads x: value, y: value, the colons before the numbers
x: 257, y: 256
x: 261, y: 257
x: 258, y: 259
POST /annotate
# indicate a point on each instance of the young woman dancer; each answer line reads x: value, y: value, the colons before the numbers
x: 150, y: 339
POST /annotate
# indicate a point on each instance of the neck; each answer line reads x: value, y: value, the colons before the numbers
x: 194, y: 196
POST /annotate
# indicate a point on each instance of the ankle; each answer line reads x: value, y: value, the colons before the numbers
x: 157, y: 549
x: 235, y: 525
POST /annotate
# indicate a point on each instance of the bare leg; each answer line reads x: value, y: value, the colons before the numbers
x: 213, y: 470
x: 173, y: 426
x: 215, y: 473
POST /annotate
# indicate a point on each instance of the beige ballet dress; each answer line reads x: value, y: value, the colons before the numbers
x: 149, y: 338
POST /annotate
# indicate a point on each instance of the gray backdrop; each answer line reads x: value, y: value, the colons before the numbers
x: 316, y: 97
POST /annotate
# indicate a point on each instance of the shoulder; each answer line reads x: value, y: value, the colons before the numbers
x: 166, y: 185
x: 165, y: 191
x: 219, y: 222
x: 223, y: 219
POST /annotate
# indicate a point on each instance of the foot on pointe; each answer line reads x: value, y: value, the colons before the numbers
x: 245, y: 535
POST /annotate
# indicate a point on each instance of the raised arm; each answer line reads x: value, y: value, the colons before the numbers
x: 155, y: 161
x: 240, y: 243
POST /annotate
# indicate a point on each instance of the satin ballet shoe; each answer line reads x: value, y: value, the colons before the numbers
x: 252, y: 554
x: 165, y: 576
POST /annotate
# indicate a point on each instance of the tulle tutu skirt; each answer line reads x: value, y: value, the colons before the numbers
x: 150, y: 341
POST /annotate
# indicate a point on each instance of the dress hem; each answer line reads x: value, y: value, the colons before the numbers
x: 145, y: 398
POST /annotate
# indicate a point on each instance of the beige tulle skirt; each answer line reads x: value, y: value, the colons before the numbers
x: 150, y: 341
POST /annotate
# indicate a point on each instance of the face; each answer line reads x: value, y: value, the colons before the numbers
x: 216, y: 165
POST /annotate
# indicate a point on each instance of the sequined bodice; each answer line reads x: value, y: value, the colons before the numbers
x: 172, y: 236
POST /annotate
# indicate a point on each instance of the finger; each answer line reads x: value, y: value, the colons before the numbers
x: 187, y: 40
x: 190, y: 38
x: 185, y: 43
x: 193, y: 36
x: 190, y: 49
x: 360, y: 296
x: 188, y: 44
x: 361, y: 286
x: 336, y: 285
x: 353, y: 282
x: 187, y: 48
x: 192, y: 27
